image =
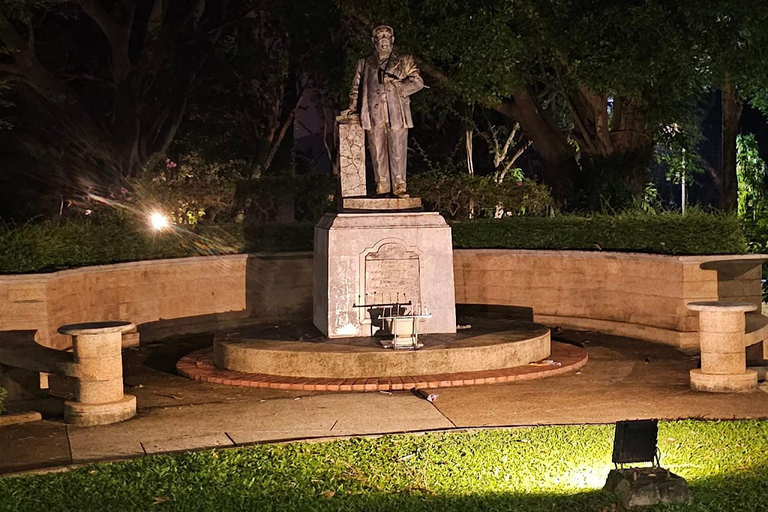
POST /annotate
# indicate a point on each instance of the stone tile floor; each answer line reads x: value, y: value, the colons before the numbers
x: 624, y: 379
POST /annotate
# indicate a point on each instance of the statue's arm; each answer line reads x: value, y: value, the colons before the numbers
x: 412, y: 82
x: 354, y: 90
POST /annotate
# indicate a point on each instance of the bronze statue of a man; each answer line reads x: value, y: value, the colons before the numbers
x: 380, y: 93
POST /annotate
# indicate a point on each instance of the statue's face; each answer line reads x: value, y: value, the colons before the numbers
x: 383, y: 42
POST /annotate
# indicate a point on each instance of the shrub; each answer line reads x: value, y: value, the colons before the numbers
x: 45, y: 246
x: 190, y: 191
x: 306, y: 197
x: 461, y: 195
x: 279, y: 237
x: 694, y: 233
x: 107, y: 237
x: 3, y: 394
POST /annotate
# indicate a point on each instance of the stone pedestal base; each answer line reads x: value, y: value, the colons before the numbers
x: 383, y: 204
x: 88, y: 415
x: 640, y: 487
x: 364, y: 262
x: 724, y: 383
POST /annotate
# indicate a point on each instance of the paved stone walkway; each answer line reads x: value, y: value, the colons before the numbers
x: 624, y: 379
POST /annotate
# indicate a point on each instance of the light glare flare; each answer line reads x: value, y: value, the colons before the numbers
x: 159, y: 221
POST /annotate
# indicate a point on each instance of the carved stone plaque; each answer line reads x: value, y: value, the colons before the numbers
x: 392, y: 274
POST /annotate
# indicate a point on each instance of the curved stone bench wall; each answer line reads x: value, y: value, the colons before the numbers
x: 628, y: 294
x: 162, y: 297
x: 637, y: 295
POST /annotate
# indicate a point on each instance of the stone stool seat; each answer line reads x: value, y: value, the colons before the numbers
x: 722, y: 328
x: 96, y: 328
x: 97, y: 348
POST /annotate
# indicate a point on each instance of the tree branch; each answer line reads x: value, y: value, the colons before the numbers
x: 11, y: 37
x: 118, y: 36
x: 27, y: 65
x: 11, y: 69
x: 156, y: 17
x: 197, y: 13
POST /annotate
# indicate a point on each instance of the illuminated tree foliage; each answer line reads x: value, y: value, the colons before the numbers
x: 592, y: 83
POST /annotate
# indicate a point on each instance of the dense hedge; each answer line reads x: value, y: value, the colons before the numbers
x: 42, y: 247
x: 46, y: 246
x: 3, y: 394
x: 694, y: 233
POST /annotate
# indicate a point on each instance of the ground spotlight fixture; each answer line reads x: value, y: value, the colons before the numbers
x: 635, y: 443
x: 158, y: 221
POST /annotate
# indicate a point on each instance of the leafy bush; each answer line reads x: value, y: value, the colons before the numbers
x: 108, y: 237
x: 752, y: 172
x: 306, y: 197
x: 3, y: 394
x: 694, y: 233
x: 190, y: 191
x: 462, y: 196
x: 280, y: 237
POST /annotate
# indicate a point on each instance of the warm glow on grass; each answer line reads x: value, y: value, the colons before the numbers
x: 527, y: 469
x: 159, y: 221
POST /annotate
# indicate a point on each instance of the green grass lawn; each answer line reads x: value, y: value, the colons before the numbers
x: 527, y: 469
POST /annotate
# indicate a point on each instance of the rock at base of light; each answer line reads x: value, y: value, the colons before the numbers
x: 639, y: 487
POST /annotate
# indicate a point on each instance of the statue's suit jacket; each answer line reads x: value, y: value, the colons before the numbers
x: 380, y: 104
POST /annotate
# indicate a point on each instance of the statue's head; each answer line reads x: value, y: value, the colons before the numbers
x: 383, y: 38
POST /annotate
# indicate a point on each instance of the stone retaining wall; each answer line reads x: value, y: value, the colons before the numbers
x: 628, y: 294
x: 638, y: 295
x: 162, y: 297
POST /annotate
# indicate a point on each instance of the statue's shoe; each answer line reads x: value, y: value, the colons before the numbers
x: 402, y: 195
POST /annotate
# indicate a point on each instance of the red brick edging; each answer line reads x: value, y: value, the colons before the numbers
x: 199, y: 365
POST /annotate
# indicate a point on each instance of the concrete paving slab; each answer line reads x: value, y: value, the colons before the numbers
x: 624, y: 379
x: 171, y: 428
x: 33, y: 446
x: 379, y: 413
x: 340, y: 414
x: 181, y: 444
x: 89, y: 444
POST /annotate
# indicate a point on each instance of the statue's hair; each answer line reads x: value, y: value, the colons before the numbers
x: 383, y: 28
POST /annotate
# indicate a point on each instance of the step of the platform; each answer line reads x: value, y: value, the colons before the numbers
x: 564, y: 358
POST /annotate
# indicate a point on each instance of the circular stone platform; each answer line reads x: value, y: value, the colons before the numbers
x: 253, y: 352
x: 281, y: 358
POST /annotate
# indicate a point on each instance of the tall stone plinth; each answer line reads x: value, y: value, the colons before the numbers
x: 723, y: 353
x: 364, y: 261
x: 351, y: 137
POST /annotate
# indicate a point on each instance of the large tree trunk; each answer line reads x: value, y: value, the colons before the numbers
x: 616, y: 148
x: 559, y: 167
x: 560, y: 170
x: 731, y: 116
x: 633, y: 139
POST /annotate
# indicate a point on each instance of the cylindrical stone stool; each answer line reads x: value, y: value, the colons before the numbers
x: 99, y: 392
x: 723, y: 354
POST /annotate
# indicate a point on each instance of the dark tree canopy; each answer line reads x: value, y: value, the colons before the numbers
x: 592, y: 83
x: 93, y: 92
